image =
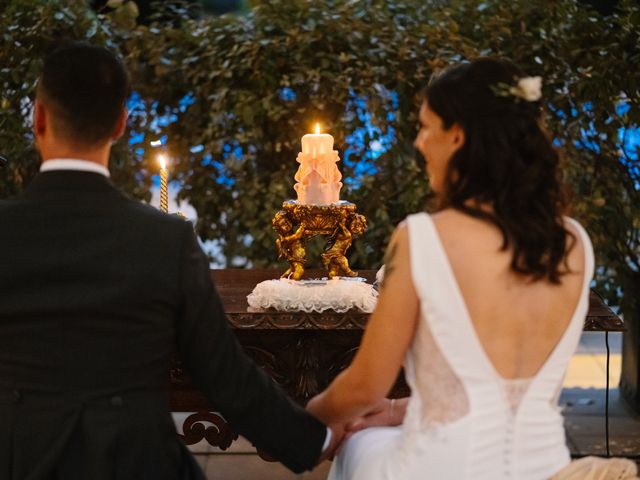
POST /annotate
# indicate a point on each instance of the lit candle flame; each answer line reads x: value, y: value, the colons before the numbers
x: 162, y: 161
x: 317, y: 129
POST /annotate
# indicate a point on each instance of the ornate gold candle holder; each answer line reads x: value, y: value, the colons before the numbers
x: 296, y: 223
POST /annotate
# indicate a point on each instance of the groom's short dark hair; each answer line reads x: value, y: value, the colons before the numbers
x: 85, y: 87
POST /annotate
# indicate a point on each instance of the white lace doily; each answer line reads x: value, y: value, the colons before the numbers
x: 339, y: 294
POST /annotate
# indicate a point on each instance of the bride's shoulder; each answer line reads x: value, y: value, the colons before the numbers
x: 401, y: 233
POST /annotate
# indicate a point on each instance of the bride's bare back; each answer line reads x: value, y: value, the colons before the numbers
x: 518, y: 322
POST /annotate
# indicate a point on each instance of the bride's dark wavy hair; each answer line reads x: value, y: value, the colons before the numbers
x: 507, y: 162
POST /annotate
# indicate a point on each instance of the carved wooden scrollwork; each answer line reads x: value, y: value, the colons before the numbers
x: 306, y: 368
x: 342, y: 360
x: 268, y: 361
x: 218, y: 434
x: 269, y: 320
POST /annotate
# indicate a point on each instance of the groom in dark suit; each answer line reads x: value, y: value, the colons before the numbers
x: 96, y: 290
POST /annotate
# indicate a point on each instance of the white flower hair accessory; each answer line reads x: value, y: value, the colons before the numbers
x: 528, y: 89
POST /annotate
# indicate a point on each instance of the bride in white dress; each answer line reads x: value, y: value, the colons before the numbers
x: 483, y: 301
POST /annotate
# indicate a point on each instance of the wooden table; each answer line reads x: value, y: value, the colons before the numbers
x: 301, y: 351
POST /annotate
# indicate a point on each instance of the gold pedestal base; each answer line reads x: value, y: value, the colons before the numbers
x: 296, y: 223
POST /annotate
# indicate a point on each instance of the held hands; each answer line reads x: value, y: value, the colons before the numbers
x: 337, y: 437
x: 315, y: 408
x: 386, y: 413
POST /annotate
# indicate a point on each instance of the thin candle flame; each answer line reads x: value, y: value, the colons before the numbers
x: 317, y: 129
x: 162, y: 161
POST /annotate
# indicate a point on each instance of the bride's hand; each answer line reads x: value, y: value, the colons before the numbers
x: 384, y: 414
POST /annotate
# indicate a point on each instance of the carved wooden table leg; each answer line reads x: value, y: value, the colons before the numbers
x: 218, y: 433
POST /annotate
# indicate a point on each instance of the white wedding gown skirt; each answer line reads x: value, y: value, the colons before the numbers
x: 385, y: 453
x: 367, y: 451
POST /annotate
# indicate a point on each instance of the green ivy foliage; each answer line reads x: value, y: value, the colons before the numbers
x: 29, y: 29
x: 235, y: 66
x: 380, y: 51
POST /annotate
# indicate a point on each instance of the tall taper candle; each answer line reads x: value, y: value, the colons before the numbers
x: 164, y: 194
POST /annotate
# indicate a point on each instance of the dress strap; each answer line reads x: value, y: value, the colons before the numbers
x: 441, y: 301
x: 589, y: 260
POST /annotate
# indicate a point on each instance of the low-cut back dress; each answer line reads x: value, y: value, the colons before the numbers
x: 464, y: 420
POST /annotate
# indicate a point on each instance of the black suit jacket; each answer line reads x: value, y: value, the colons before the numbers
x: 96, y: 290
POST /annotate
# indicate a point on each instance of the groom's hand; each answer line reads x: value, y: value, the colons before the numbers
x: 337, y: 437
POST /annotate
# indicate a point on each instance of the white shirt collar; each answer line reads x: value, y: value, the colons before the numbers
x: 73, y: 164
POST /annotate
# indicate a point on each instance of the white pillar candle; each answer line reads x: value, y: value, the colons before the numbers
x: 317, y: 143
x: 318, y: 177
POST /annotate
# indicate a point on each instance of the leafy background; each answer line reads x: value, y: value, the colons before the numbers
x: 240, y: 90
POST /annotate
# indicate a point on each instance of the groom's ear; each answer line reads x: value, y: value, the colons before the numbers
x: 40, y: 119
x: 121, y: 125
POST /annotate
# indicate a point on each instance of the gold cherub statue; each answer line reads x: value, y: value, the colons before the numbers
x: 333, y: 257
x: 290, y: 245
x: 297, y: 223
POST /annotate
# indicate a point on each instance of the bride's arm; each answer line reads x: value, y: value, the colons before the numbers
x: 386, y: 339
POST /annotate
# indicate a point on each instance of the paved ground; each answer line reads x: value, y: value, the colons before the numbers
x: 583, y: 402
x: 582, y: 399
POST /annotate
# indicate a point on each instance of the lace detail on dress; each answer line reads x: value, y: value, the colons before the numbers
x: 514, y: 390
x: 448, y: 401
x: 443, y: 397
